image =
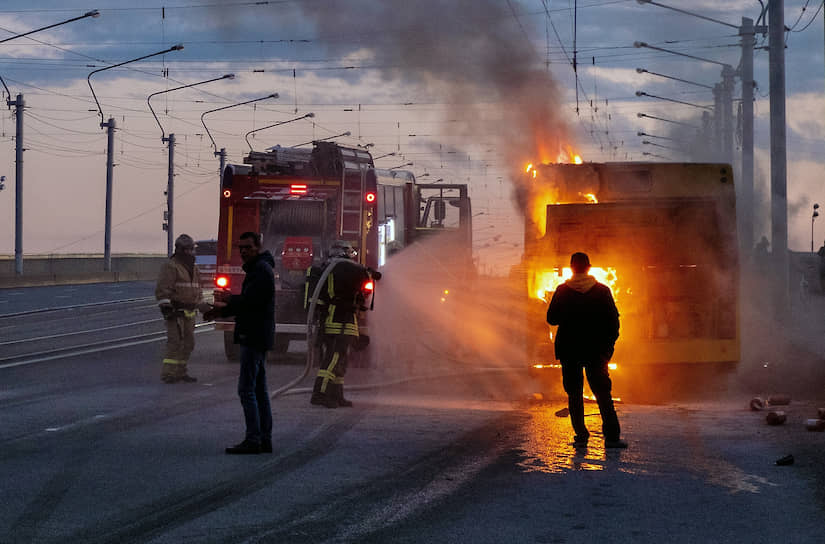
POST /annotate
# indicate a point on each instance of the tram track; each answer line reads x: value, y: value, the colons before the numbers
x: 30, y: 357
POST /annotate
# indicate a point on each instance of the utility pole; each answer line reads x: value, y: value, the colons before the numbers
x: 718, y: 118
x: 727, y: 112
x: 222, y: 155
x: 107, y: 232
x: 779, y: 189
x: 170, y: 200
x: 747, y: 32
x: 19, y: 106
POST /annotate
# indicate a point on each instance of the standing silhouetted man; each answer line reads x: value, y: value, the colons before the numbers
x: 588, y: 324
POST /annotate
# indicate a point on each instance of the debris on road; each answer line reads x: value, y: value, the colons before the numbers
x: 817, y: 425
x: 785, y: 461
x: 757, y: 404
x: 776, y: 417
x: 779, y: 400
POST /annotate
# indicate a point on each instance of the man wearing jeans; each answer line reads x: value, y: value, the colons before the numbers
x: 588, y: 324
x: 254, y: 311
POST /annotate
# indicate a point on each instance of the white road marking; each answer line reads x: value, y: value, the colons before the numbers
x: 76, y: 424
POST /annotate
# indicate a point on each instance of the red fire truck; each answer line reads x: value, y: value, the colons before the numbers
x: 302, y: 200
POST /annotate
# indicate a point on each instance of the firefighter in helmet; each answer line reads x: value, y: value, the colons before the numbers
x: 340, y: 299
x: 178, y: 291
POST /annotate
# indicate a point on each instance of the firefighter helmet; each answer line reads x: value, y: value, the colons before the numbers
x: 184, y: 241
x: 341, y: 249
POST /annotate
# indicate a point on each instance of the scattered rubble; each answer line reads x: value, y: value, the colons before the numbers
x: 817, y: 425
x: 776, y: 417
x: 785, y: 461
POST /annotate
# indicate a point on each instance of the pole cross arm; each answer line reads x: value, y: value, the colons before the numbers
x: 214, y: 146
x: 177, y: 47
x: 148, y: 100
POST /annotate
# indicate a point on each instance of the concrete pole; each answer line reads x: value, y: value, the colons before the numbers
x: 170, y: 198
x: 222, y: 155
x: 727, y: 110
x: 718, y: 121
x: 19, y: 106
x: 746, y: 191
x: 779, y: 189
x: 107, y: 236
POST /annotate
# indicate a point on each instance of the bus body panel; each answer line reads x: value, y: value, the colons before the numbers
x: 662, y: 237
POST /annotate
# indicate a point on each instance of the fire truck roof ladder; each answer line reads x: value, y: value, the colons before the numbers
x: 352, y: 205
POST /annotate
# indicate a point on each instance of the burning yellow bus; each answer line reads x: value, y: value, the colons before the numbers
x: 662, y: 236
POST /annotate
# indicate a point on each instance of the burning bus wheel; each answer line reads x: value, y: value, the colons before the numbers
x: 230, y: 348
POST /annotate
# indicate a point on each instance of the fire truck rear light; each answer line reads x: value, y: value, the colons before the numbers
x: 298, y: 189
x: 369, y: 286
x: 222, y: 282
x: 227, y: 193
x: 370, y: 197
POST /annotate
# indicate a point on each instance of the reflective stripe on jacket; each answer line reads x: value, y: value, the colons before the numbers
x: 176, y: 285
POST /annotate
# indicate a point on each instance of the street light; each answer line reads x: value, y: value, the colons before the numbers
x: 648, y: 142
x: 169, y: 224
x: 648, y: 154
x: 309, y: 115
x: 686, y: 12
x: 94, y: 14
x: 813, y: 216
x: 149, y: 99
x: 655, y: 136
x: 273, y: 95
x: 643, y: 115
x: 177, y: 47
x: 110, y: 146
x: 19, y: 105
x: 642, y: 93
x: 347, y: 133
x: 694, y: 57
x: 644, y: 71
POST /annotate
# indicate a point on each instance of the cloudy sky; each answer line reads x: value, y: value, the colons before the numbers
x: 466, y: 90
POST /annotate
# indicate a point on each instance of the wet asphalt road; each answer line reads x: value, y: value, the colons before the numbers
x: 94, y: 448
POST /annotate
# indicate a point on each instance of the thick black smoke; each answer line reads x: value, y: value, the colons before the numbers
x: 472, y: 54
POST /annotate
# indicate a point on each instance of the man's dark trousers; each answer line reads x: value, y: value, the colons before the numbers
x: 599, y: 380
x: 254, y: 395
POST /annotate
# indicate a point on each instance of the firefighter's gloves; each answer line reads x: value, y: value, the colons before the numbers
x: 222, y: 295
x: 166, y: 309
x: 204, y: 307
x: 211, y: 314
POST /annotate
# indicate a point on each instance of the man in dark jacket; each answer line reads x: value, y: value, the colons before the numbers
x: 588, y: 324
x: 254, y: 311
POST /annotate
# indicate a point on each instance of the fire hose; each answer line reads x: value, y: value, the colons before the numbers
x: 312, y: 332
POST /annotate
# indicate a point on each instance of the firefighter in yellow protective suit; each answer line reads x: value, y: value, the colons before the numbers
x: 178, y: 291
x: 340, y: 299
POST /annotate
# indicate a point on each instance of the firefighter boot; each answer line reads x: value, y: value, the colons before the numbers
x: 325, y: 398
x: 185, y: 377
x: 168, y: 373
x: 339, y: 390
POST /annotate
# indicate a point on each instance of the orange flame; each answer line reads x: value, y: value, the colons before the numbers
x: 545, y: 282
